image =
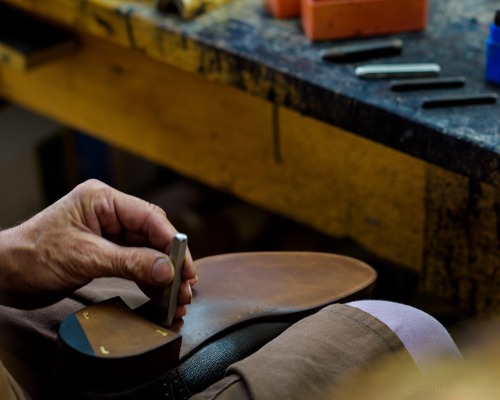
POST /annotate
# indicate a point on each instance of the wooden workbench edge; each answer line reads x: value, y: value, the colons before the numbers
x: 138, y: 26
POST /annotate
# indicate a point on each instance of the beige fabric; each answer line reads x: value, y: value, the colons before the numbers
x: 231, y: 387
x: 312, y: 357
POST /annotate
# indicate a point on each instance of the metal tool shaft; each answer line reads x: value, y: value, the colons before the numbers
x: 388, y: 71
x: 169, y: 300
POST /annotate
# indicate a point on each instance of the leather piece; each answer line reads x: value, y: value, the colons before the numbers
x: 203, y: 368
x: 111, y: 348
x: 243, y: 301
x: 238, y: 288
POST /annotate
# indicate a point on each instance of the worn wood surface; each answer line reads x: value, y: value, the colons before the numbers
x: 420, y: 216
x: 241, y: 45
x: 462, y: 241
x: 268, y: 133
x: 268, y: 155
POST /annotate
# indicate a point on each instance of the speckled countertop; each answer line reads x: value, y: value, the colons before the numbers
x: 240, y: 44
x: 462, y: 139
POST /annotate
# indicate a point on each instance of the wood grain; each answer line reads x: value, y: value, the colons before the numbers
x: 276, y: 158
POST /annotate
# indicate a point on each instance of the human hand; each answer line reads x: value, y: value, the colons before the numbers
x: 94, y: 231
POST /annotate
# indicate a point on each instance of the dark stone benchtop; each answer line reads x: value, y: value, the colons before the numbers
x: 462, y: 139
x: 242, y: 45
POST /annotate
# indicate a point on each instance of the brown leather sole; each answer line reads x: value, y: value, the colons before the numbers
x: 108, y: 347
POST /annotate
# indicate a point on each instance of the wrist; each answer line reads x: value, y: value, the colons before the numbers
x: 15, y: 252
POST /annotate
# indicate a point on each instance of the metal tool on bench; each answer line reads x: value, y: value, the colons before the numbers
x: 460, y: 100
x: 407, y: 85
x: 365, y: 50
x: 388, y: 71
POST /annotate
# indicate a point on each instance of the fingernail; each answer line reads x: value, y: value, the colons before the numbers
x: 163, y: 270
x: 190, y: 294
x: 193, y: 281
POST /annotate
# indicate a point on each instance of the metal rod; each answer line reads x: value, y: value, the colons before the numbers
x: 169, y: 300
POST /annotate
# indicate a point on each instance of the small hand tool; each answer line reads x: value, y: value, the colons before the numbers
x: 387, y: 71
x: 406, y: 85
x: 460, y: 100
x: 169, y: 299
x: 353, y: 52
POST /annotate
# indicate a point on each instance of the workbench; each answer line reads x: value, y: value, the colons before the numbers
x: 243, y: 102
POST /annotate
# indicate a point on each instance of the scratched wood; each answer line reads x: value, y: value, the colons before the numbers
x: 398, y: 206
x: 353, y: 187
x: 241, y: 45
x: 462, y: 241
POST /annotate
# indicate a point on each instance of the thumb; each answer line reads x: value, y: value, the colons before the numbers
x: 142, y: 265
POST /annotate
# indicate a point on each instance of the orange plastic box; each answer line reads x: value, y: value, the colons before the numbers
x: 283, y: 8
x: 336, y: 19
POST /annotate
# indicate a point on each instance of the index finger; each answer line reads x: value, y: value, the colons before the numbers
x: 151, y: 221
x: 117, y: 213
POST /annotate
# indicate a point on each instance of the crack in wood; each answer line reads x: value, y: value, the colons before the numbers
x: 276, y: 134
x: 129, y: 28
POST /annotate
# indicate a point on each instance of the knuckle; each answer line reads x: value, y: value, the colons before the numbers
x: 91, y: 185
x: 157, y: 210
x: 89, y: 189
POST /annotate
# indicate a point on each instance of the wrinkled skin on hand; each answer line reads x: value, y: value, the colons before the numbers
x: 94, y: 231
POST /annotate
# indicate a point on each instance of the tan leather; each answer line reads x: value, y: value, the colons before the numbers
x: 236, y: 288
x: 233, y: 289
x: 109, y: 347
x: 113, y: 330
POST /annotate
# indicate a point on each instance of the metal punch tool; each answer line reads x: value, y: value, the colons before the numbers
x: 389, y: 71
x: 171, y: 291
